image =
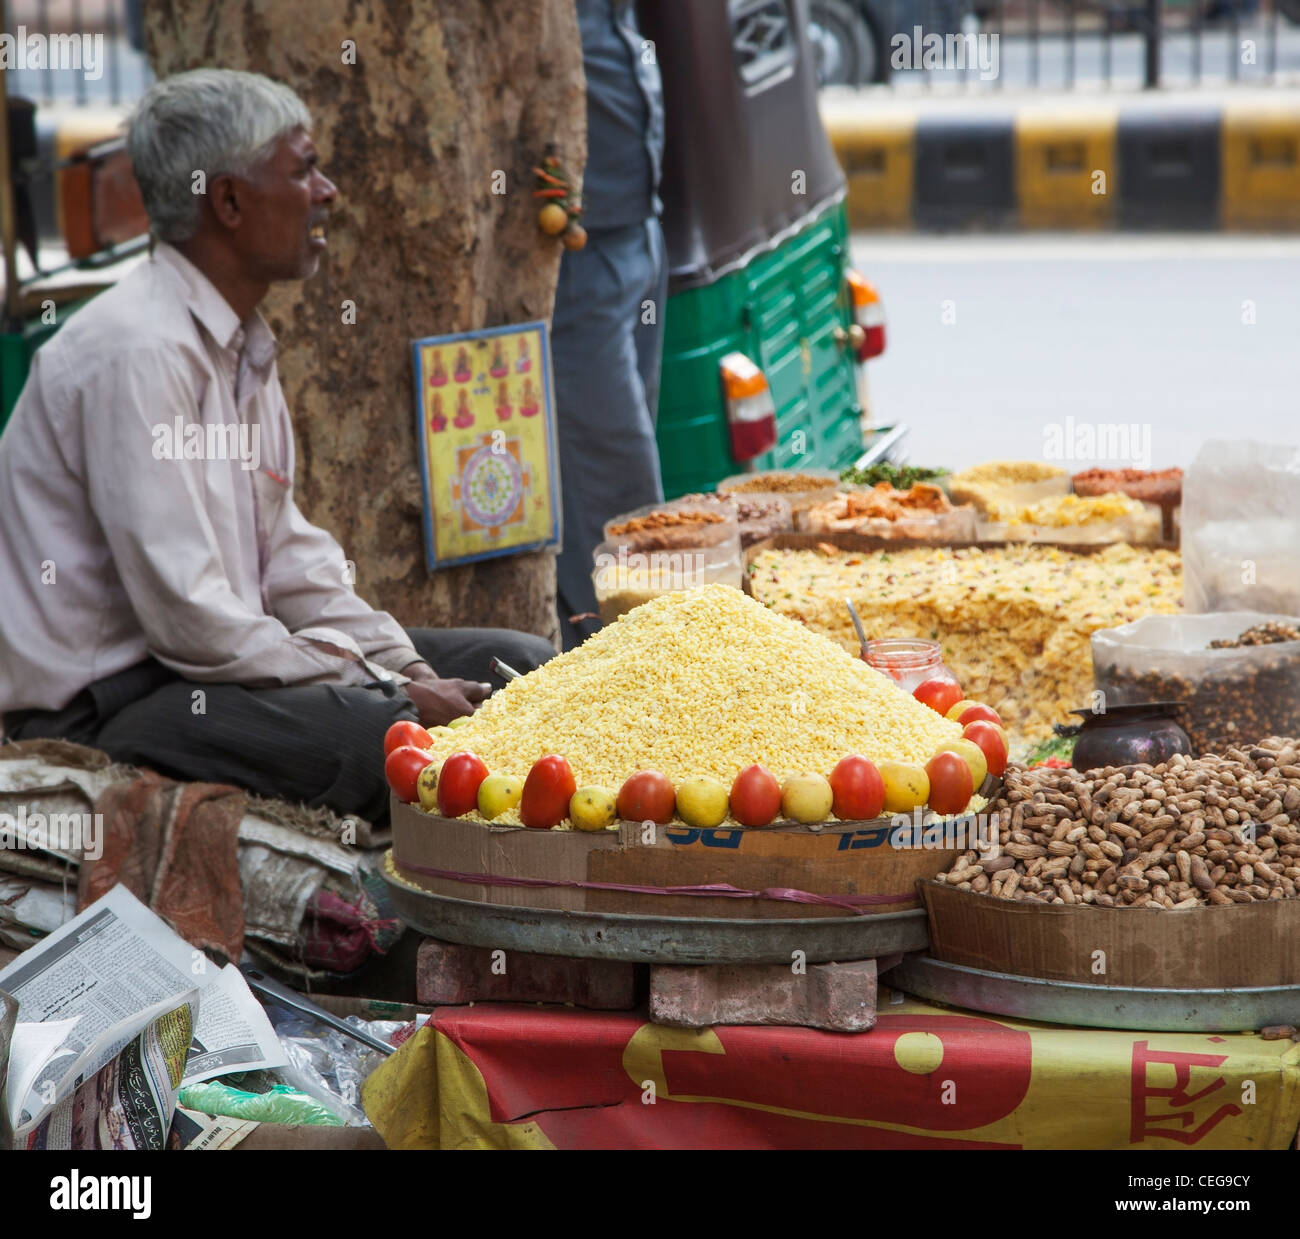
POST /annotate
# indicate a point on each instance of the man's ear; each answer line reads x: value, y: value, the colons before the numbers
x: 224, y: 194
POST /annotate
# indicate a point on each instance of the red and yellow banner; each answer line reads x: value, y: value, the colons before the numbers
x: 500, y: 1076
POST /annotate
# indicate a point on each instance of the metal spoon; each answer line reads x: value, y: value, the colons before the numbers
x: 261, y: 984
x: 504, y: 670
x: 857, y: 624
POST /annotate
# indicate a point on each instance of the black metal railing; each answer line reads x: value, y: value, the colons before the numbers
x: 1146, y: 43
x: 1080, y: 44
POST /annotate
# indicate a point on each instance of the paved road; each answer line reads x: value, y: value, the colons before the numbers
x: 1102, y: 329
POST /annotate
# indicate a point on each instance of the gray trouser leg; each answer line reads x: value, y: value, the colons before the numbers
x: 464, y: 653
x: 318, y: 744
x: 606, y: 357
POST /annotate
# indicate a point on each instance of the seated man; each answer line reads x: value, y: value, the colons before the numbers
x: 161, y: 596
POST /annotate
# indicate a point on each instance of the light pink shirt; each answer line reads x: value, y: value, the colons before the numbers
x: 112, y: 548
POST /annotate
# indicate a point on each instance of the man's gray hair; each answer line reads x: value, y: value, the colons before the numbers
x: 210, y: 120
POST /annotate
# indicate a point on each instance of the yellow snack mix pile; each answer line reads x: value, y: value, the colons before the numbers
x: 699, y: 682
x: 1014, y: 623
x: 1009, y: 472
x: 1002, y: 482
x: 1064, y: 511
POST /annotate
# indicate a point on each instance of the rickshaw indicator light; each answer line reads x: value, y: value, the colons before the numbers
x: 751, y: 413
x: 868, y: 313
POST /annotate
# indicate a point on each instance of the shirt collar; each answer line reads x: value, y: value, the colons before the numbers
x: 253, y: 339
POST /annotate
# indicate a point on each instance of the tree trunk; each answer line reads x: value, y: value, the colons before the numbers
x: 442, y: 94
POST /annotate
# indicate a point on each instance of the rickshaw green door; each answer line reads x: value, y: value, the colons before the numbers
x: 781, y: 310
x: 16, y: 351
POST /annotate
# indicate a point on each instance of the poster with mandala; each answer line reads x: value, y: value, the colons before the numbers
x: 485, y: 424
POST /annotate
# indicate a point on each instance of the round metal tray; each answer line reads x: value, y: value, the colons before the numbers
x: 1096, y: 1006
x: 656, y: 939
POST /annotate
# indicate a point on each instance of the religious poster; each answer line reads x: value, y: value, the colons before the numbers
x: 485, y: 425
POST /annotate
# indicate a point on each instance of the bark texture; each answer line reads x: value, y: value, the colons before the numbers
x: 442, y: 95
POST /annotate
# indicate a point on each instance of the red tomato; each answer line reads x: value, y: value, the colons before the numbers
x: 402, y: 767
x: 647, y: 796
x: 858, y: 789
x: 547, y: 790
x: 406, y: 732
x: 979, y: 714
x: 991, y: 739
x: 755, y: 797
x: 950, y: 782
x: 458, y: 782
x: 939, y: 695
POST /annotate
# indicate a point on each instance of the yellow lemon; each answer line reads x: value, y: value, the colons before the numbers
x: 497, y: 793
x: 807, y: 798
x: 906, y: 786
x: 592, y: 808
x: 702, y: 801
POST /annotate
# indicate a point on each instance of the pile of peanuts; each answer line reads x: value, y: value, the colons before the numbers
x: 1269, y: 633
x: 1184, y: 834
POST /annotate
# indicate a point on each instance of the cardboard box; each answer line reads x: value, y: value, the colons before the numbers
x: 838, y: 858
x: 1244, y: 946
x: 282, y: 1136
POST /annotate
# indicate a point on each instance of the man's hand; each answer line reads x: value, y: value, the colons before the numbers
x: 422, y: 672
x: 439, y: 701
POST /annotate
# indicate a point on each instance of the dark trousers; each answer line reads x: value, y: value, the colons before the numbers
x: 606, y: 342
x: 318, y: 745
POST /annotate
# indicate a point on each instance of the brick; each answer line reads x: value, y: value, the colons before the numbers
x: 836, y: 997
x: 447, y: 974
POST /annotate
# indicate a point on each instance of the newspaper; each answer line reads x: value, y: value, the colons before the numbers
x: 125, y: 1104
x: 120, y: 979
x: 193, y: 1130
x: 8, y: 1020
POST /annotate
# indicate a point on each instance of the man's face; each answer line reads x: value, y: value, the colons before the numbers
x: 284, y: 205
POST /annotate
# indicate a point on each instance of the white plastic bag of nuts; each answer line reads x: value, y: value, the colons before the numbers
x: 1240, y: 527
x: 1234, y: 695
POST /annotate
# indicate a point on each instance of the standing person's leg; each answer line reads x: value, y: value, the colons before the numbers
x: 609, y: 461
x: 319, y: 745
x: 464, y: 653
x: 650, y: 335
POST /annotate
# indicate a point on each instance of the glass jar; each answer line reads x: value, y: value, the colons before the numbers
x: 907, y: 661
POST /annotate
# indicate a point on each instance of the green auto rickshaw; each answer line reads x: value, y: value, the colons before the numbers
x: 767, y: 328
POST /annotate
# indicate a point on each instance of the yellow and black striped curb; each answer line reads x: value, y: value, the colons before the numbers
x: 1090, y: 164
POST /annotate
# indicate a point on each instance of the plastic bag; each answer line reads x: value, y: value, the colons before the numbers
x: 326, y: 1064
x: 955, y: 525
x: 1232, y: 696
x: 1139, y: 529
x: 624, y: 579
x: 820, y: 486
x: 1014, y: 482
x: 721, y: 532
x: 282, y: 1104
x: 1241, y: 528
